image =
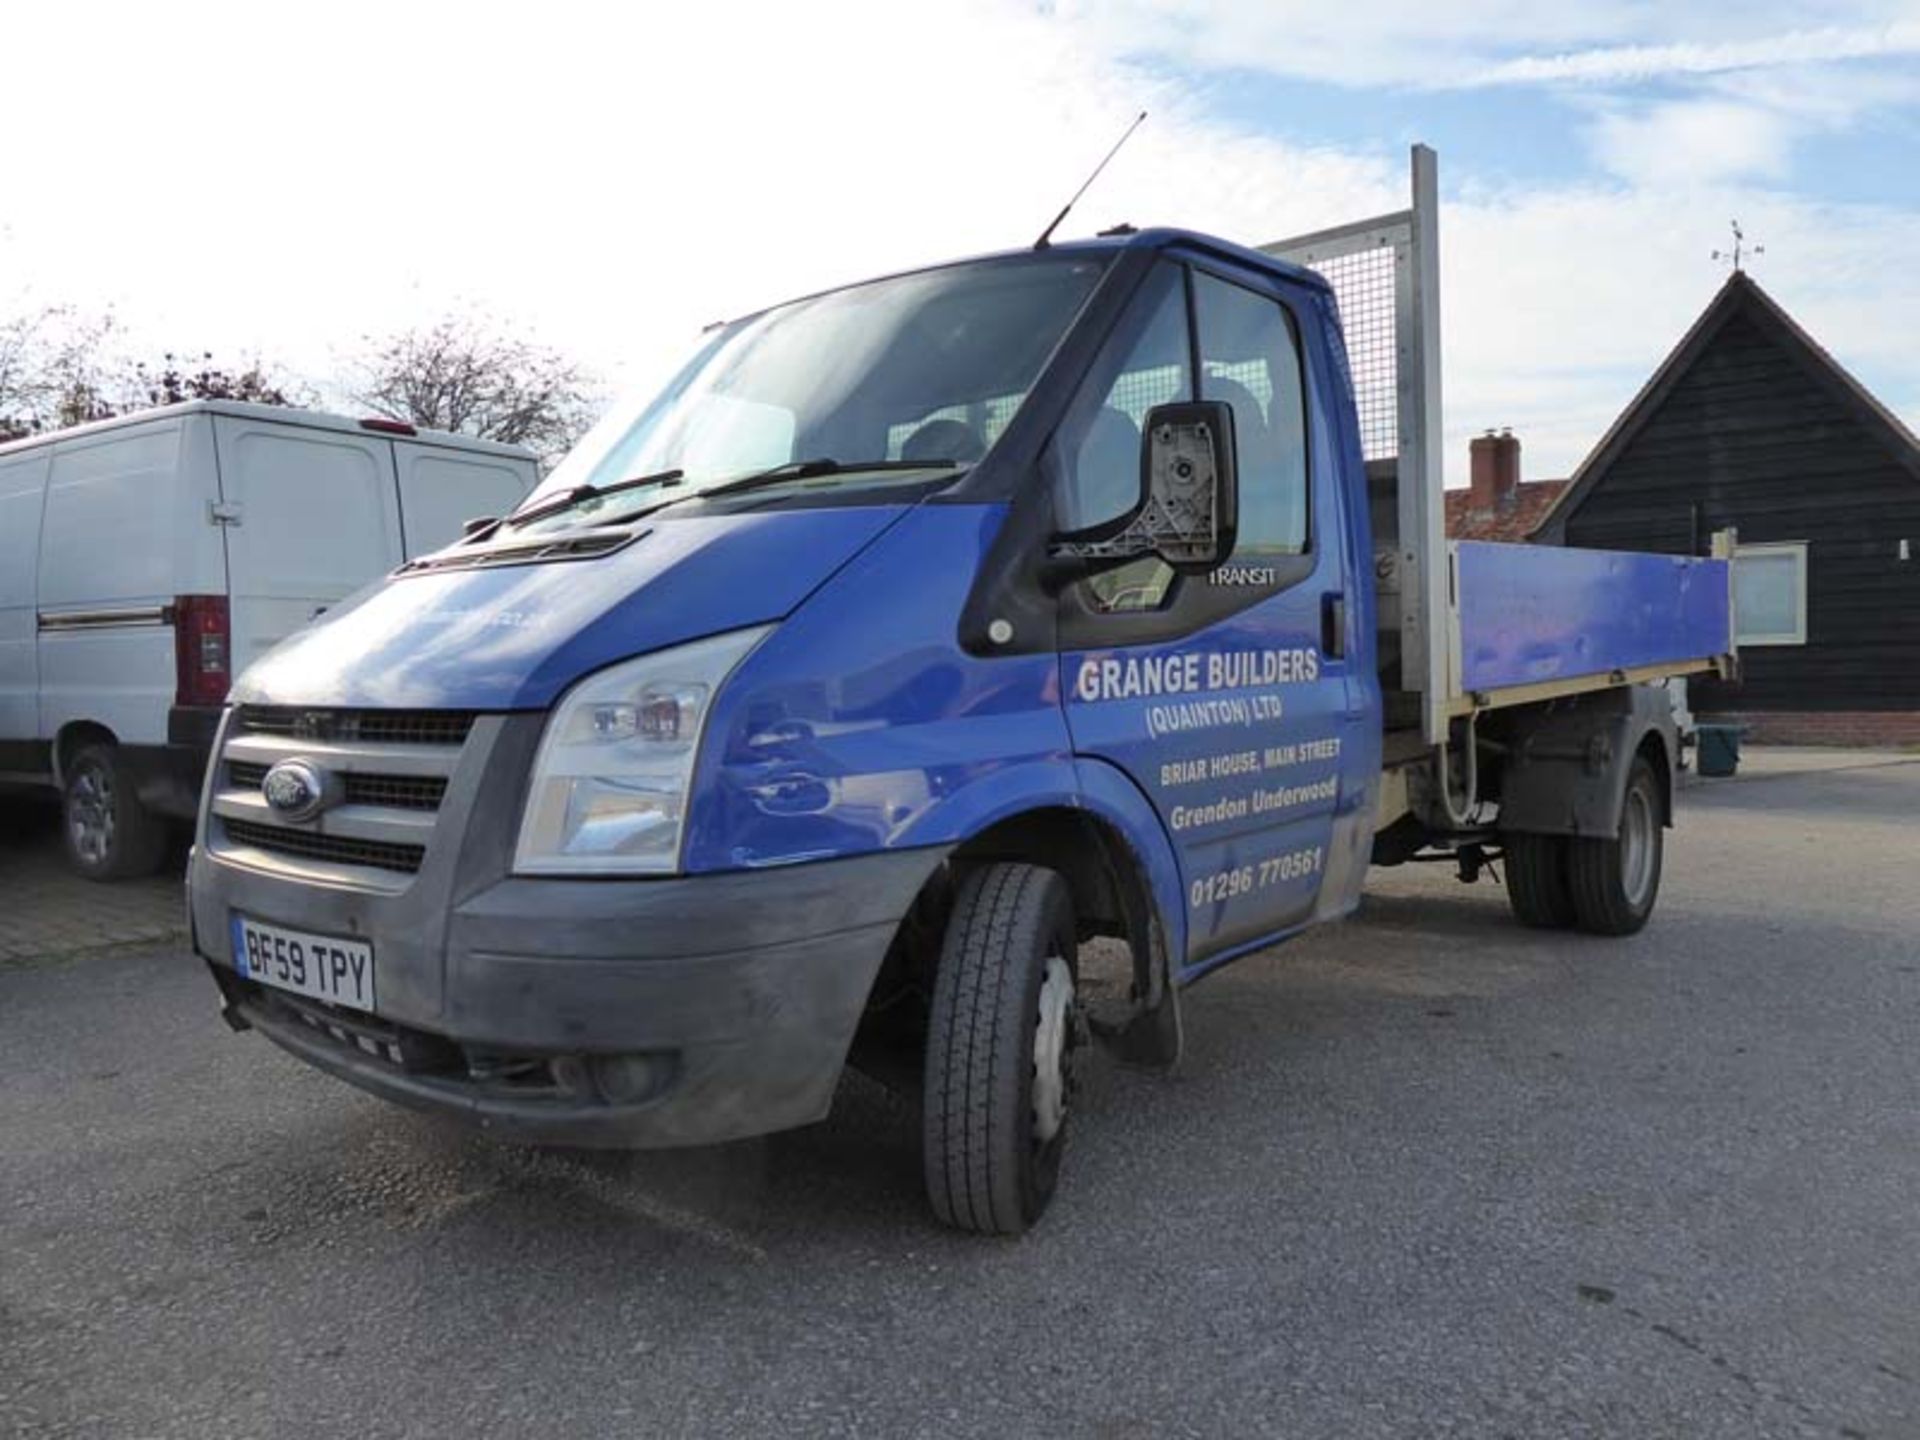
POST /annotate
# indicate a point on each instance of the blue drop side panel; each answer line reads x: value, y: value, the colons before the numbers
x: 1534, y: 613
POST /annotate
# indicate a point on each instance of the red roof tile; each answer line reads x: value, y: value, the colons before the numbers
x: 1514, y: 519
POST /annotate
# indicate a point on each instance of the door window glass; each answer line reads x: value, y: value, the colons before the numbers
x: 1146, y: 363
x: 1250, y: 358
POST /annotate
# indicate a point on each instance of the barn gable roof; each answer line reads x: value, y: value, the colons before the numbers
x: 1741, y: 295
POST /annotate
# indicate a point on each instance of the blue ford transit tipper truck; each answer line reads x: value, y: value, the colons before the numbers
x: 816, y: 712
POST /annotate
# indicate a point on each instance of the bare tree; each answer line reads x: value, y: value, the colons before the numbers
x: 53, y: 370
x: 464, y: 374
x: 60, y: 368
x: 190, y: 377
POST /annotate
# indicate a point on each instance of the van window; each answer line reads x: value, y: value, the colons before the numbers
x: 1250, y: 358
x: 984, y: 418
x: 1096, y: 454
x: 928, y: 366
x: 440, y: 490
x: 1100, y: 442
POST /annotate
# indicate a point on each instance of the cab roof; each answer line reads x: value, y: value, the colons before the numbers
x: 1166, y: 237
x: 1155, y: 238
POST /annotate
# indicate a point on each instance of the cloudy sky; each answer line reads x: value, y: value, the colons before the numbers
x: 284, y: 180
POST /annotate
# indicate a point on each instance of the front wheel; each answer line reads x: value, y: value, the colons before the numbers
x: 109, y: 834
x: 1615, y: 881
x: 1000, y: 1047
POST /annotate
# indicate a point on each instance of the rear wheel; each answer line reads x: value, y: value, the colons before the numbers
x: 1615, y: 881
x: 109, y: 834
x: 1537, y: 886
x: 1000, y: 1049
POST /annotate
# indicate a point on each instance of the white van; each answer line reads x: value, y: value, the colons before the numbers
x: 145, y: 561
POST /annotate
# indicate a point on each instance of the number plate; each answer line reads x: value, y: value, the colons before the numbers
x: 338, y: 971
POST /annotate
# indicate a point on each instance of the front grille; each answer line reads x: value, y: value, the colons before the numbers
x: 398, y: 792
x: 340, y: 850
x: 387, y: 771
x: 370, y: 727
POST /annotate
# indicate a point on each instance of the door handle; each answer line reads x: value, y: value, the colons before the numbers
x: 1333, y: 625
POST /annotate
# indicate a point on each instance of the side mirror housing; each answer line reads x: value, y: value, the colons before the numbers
x: 1188, y: 513
x: 1190, y: 509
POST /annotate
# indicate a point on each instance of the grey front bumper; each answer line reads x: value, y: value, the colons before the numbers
x: 736, y: 994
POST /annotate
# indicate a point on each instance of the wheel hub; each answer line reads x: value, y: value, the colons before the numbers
x: 1052, y: 1043
x: 1637, y: 841
x: 90, y: 815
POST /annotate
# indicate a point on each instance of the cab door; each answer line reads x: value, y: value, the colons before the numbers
x: 1224, y: 697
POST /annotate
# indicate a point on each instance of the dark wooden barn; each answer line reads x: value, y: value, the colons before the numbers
x: 1750, y: 424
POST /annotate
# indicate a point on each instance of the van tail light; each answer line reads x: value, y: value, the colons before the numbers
x: 202, y: 649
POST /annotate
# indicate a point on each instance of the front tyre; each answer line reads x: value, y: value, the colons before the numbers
x: 109, y: 834
x: 1000, y: 1046
x: 1615, y: 881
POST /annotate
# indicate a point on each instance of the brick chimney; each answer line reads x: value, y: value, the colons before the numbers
x: 1495, y: 469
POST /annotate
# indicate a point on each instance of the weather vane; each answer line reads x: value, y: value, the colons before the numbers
x: 1740, y: 253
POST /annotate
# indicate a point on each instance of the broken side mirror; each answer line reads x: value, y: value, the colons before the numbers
x: 1188, y: 510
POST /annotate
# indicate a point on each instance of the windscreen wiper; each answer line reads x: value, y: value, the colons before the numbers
x: 807, y: 469
x: 580, y: 494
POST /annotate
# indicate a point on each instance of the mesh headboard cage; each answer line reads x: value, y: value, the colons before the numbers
x: 1385, y: 275
x: 1363, y: 287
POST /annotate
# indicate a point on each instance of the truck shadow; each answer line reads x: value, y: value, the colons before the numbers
x: 1291, y: 1047
x: 854, y: 1179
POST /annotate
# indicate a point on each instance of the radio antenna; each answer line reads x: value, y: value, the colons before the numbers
x: 1047, y: 234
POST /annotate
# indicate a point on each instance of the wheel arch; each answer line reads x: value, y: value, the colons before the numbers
x: 1568, y: 761
x: 1659, y: 756
x: 1109, y: 888
x: 1120, y: 870
x: 70, y: 738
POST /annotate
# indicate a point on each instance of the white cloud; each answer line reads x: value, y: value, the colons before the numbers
x: 1650, y: 62
x: 1391, y: 42
x: 1419, y: 45
x: 1561, y: 303
x: 1686, y: 143
x: 251, y: 178
x: 255, y: 179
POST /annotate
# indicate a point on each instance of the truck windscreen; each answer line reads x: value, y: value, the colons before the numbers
x: 923, y: 367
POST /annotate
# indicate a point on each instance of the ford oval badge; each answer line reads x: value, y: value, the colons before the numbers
x: 294, y: 789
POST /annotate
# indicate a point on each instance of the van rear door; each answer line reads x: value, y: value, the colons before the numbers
x: 441, y: 488
x: 124, y: 533
x: 311, y: 516
x: 23, y: 490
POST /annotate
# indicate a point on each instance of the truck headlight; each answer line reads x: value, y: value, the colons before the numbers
x: 615, y: 766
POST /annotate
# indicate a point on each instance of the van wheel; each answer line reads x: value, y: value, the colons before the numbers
x: 1537, y: 886
x: 109, y: 834
x: 1000, y: 1048
x: 1616, y: 881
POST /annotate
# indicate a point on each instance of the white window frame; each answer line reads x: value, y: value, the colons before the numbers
x: 1798, y: 550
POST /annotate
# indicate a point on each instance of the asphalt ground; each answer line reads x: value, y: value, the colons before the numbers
x: 47, y: 911
x: 1425, y: 1173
